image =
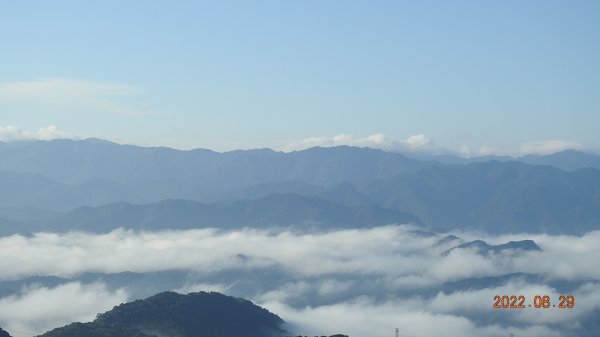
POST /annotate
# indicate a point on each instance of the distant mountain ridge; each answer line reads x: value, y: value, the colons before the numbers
x: 274, y: 210
x: 495, y: 197
x: 370, y: 186
x: 484, y: 248
x: 568, y: 160
x: 73, y: 161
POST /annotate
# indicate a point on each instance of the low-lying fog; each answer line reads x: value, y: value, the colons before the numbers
x: 363, y: 283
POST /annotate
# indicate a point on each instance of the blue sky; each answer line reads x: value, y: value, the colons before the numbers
x: 481, y: 76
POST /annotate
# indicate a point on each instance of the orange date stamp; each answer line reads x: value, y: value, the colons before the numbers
x: 539, y: 302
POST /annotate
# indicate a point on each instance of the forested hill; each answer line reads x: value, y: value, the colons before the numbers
x: 170, y: 314
x: 4, y: 333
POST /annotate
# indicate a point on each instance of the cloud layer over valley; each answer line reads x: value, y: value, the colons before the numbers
x: 359, y: 282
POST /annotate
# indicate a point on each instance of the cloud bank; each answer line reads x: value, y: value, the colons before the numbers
x: 388, y: 250
x: 360, y: 282
x: 34, y: 310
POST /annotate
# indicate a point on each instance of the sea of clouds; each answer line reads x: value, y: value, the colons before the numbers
x: 358, y: 282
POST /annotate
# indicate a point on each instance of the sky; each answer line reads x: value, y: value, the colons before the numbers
x: 473, y: 77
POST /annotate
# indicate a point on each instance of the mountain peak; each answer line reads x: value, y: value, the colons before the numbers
x: 99, y: 141
x: 202, y: 314
x: 484, y: 248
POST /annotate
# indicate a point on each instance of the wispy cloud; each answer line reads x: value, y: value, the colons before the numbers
x: 75, y: 94
x: 12, y: 133
x: 540, y: 147
x: 414, y: 143
x: 548, y: 146
x: 421, y: 144
x: 196, y: 287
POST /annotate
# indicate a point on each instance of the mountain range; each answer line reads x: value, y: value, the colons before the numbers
x: 274, y: 210
x: 97, y: 185
x: 71, y: 161
x: 568, y: 160
x: 485, y: 248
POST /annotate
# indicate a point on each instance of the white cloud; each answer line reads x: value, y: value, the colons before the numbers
x: 332, y: 286
x: 74, y: 94
x: 541, y: 147
x: 418, y: 142
x: 381, y: 251
x: 587, y: 299
x: 302, y: 289
x: 288, y: 291
x: 361, y: 282
x: 483, y: 150
x: 364, y: 317
x: 309, y: 254
x: 448, y: 314
x: 548, y: 146
x: 36, y: 310
x: 462, y: 263
x: 197, y: 287
x: 12, y: 133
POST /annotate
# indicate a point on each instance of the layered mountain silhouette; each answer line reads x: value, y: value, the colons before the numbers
x: 495, y: 197
x: 484, y: 248
x: 569, y: 160
x: 73, y: 161
x: 203, y: 314
x: 275, y: 210
x: 94, y: 184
